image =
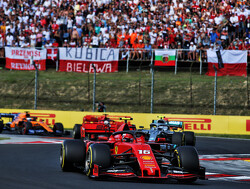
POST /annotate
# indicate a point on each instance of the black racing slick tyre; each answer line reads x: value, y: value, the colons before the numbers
x: 189, y: 138
x: 178, y: 138
x: 72, y: 154
x: 26, y: 127
x: 97, y: 154
x: 1, y: 126
x: 186, y: 157
x: 58, y: 129
x: 77, y: 131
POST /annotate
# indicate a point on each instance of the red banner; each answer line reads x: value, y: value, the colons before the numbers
x: 85, y: 67
x: 20, y: 58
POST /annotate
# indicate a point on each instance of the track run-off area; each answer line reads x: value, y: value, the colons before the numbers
x: 33, y: 162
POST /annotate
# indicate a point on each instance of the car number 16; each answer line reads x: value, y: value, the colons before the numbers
x: 144, y: 151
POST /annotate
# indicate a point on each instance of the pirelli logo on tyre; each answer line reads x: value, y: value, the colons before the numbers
x: 196, y: 124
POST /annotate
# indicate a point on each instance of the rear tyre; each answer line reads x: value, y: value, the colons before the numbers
x: 189, y: 138
x: 178, y: 138
x: 72, y: 154
x: 98, y: 154
x: 26, y: 127
x: 77, y: 131
x: 1, y: 126
x: 58, y: 129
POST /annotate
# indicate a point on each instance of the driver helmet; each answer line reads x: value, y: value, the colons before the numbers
x: 106, y: 122
x: 127, y: 138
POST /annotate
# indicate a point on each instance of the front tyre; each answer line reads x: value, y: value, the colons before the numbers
x: 58, y: 129
x: 1, y: 126
x: 26, y: 127
x: 97, y: 154
x: 186, y: 157
x: 72, y: 154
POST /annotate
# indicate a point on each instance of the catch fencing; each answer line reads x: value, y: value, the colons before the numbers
x: 136, y: 87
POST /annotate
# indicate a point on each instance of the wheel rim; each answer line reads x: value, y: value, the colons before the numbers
x: 87, y: 164
x: 24, y: 130
x: 61, y: 158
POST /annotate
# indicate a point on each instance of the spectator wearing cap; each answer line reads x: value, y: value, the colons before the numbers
x: 180, y: 53
x: 85, y: 45
x: 140, y: 47
x: 211, y: 47
x: 160, y: 42
x: 74, y: 35
x: 192, y: 51
x: 65, y: 43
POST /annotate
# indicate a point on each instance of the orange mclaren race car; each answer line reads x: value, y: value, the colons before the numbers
x: 96, y: 125
x: 23, y: 123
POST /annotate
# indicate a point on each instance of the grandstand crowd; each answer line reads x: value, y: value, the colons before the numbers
x: 137, y: 24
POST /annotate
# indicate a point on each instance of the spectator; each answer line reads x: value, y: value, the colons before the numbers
x: 101, y: 107
x: 192, y: 51
x: 9, y: 40
x: 148, y: 20
x: 1, y: 45
x: 213, y: 36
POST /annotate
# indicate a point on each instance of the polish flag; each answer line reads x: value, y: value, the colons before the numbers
x: 234, y: 62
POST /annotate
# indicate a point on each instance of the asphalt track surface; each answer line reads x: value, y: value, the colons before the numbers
x: 34, y: 166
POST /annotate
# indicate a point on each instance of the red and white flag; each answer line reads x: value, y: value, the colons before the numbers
x: 52, y: 53
x: 234, y: 61
x: 20, y: 58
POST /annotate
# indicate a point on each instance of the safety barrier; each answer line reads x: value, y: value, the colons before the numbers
x: 206, y: 124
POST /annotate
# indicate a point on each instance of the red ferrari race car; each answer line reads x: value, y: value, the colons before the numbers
x: 96, y: 125
x: 126, y: 155
x: 23, y: 123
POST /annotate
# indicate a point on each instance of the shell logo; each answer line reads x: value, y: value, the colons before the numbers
x: 146, y: 157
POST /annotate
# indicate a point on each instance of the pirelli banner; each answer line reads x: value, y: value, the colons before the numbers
x: 82, y: 60
x: 207, y: 124
x: 20, y: 58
